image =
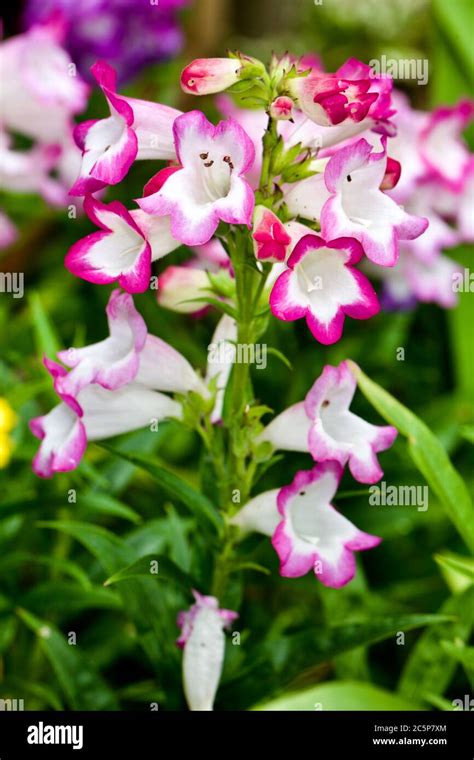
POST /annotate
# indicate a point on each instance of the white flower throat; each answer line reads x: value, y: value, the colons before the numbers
x: 215, y: 174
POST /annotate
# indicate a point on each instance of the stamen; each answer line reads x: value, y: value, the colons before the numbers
x: 310, y: 284
x: 203, y: 156
x: 208, y: 163
x: 228, y: 160
x: 349, y: 178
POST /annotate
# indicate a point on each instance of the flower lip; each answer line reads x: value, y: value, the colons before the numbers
x: 113, y: 362
x: 119, y: 251
x: 156, y: 182
x: 322, y: 285
x: 358, y: 208
x: 209, y: 187
x: 211, y: 134
x: 313, y: 535
x: 313, y: 242
x: 58, y: 372
x: 106, y: 78
x: 63, y: 441
x: 338, y: 434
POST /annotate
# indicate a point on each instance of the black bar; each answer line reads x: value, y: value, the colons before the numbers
x: 142, y: 734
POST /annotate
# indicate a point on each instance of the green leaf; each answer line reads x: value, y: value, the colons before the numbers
x: 462, y: 565
x: 467, y: 432
x: 141, y: 597
x: 238, y: 566
x: 282, y: 159
x: 175, y: 487
x: 281, y: 356
x: 166, y: 571
x: 427, y: 453
x: 456, y: 27
x: 8, y: 626
x: 340, y: 695
x: 429, y: 668
x: 18, y: 559
x: 83, y: 688
x: 47, y: 341
x: 111, y: 551
x: 103, y: 503
x: 281, y: 659
x: 331, y: 641
x: 210, y: 301
x: 462, y: 654
x: 66, y: 598
x: 222, y: 284
x: 19, y: 688
x: 297, y: 172
x: 439, y: 702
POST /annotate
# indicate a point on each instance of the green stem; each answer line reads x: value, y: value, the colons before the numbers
x: 249, y: 287
x: 269, y: 141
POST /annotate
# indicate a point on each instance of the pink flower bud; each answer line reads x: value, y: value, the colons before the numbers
x: 271, y: 238
x: 281, y: 108
x: 205, y: 76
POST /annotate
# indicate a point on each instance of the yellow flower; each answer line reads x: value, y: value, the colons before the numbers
x: 6, y: 446
x: 7, y: 416
x: 7, y: 423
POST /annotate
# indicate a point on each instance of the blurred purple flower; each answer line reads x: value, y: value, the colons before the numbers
x: 129, y: 34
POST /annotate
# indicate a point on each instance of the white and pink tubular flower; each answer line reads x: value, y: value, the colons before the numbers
x: 209, y: 185
x: 324, y: 426
x: 348, y: 202
x: 136, y: 129
x: 308, y: 533
x: 114, y: 387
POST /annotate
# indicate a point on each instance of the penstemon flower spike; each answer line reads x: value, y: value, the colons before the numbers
x: 279, y: 212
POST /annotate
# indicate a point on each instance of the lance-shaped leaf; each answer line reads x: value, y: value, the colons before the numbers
x: 429, y: 668
x: 175, y: 487
x: 274, y: 663
x: 83, y: 688
x: 142, y: 598
x: 66, y: 598
x: 154, y: 566
x: 427, y: 453
x: 462, y: 565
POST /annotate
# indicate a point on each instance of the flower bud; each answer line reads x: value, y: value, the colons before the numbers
x: 179, y: 285
x: 282, y: 108
x: 205, y: 76
x: 271, y: 240
x: 203, y: 641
